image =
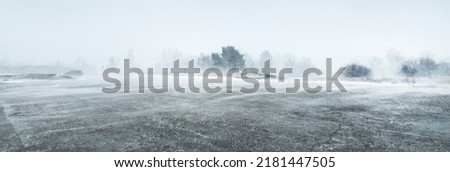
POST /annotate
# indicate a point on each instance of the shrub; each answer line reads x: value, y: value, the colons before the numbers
x: 356, y: 71
x: 426, y: 66
x: 204, y: 61
x: 409, y: 69
x: 443, y: 69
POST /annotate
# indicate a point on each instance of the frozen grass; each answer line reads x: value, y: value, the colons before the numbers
x: 73, y: 115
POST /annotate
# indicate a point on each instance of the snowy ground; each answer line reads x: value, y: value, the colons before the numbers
x: 73, y: 115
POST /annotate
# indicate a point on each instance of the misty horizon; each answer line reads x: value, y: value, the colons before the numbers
x: 53, y: 32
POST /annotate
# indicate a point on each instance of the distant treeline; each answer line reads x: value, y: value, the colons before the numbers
x: 425, y: 66
x: 422, y: 67
x: 230, y: 57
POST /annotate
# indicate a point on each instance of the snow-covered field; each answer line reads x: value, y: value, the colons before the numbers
x: 74, y: 115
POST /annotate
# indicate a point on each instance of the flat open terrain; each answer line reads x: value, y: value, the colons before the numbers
x: 74, y: 115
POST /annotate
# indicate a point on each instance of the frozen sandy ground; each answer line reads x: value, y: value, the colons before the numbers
x: 73, y: 115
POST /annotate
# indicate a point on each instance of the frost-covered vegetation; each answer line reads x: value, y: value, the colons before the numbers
x: 395, y: 66
x: 230, y: 57
x: 425, y: 67
x: 357, y: 71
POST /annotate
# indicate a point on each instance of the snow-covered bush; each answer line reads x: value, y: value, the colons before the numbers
x: 357, y: 71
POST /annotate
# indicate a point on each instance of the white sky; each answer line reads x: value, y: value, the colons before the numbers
x: 49, y: 30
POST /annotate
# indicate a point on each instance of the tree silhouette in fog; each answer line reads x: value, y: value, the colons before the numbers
x: 229, y: 58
